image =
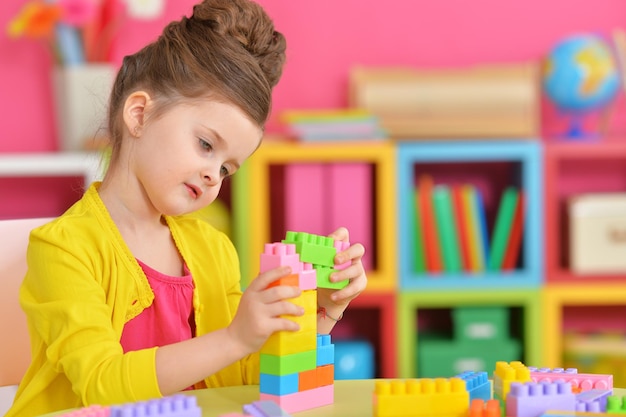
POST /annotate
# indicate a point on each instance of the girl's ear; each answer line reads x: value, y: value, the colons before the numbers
x: 134, y: 112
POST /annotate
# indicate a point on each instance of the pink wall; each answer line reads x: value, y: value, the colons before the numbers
x: 327, y: 37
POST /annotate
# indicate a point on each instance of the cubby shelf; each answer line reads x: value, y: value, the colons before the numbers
x: 410, y: 303
x: 494, y: 164
x: 572, y: 168
x: 556, y: 297
x: 251, y: 196
x: 373, y: 317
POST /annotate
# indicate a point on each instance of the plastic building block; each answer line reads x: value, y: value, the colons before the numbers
x: 287, y: 364
x: 288, y: 343
x: 323, y: 278
x: 531, y: 398
x: 303, y: 400
x: 593, y: 400
x: 264, y: 409
x: 577, y: 414
x: 308, y: 277
x: 421, y: 397
x: 306, y: 380
x: 507, y: 373
x: 280, y: 254
x: 279, y: 384
x: 314, y: 249
x: 325, y: 350
x: 91, y: 411
x: 484, y: 408
x: 580, y: 382
x: 477, y: 384
x: 616, y: 404
x: 175, y: 406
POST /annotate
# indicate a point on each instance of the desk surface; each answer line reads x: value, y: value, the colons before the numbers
x: 353, y: 398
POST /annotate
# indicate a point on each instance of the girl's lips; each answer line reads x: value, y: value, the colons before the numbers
x: 195, y: 192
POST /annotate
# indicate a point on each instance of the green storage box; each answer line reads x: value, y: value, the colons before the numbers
x: 481, y: 323
x: 447, y: 358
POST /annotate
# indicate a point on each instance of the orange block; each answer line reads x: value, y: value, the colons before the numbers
x: 307, y: 379
x: 325, y: 375
x: 292, y: 280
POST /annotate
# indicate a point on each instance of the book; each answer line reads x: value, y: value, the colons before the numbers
x: 461, y: 214
x: 483, y: 232
x: 446, y: 226
x: 513, y: 245
x: 502, y: 228
x: 429, y: 228
x: 415, y: 222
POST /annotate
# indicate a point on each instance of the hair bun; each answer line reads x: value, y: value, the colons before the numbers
x: 248, y: 24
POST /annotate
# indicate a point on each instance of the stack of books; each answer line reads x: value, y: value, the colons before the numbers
x: 332, y: 125
x: 451, y: 233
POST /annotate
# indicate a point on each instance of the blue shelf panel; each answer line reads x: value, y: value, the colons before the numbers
x: 527, y: 154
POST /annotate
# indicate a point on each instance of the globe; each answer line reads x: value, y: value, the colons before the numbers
x: 580, y: 76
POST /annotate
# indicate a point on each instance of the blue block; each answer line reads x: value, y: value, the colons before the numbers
x: 354, y: 359
x: 278, y: 384
x: 477, y: 384
x: 325, y: 350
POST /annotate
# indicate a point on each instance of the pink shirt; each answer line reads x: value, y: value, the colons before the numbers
x: 170, y: 317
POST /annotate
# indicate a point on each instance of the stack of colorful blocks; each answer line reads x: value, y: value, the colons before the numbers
x: 297, y: 368
x: 518, y: 391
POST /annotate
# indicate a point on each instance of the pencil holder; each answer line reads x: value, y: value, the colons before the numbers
x: 81, y: 95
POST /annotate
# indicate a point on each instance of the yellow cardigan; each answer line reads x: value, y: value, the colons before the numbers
x: 83, y: 284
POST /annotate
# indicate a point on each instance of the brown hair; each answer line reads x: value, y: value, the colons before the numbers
x: 227, y: 50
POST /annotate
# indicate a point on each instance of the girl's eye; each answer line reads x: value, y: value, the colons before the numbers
x: 224, y: 171
x: 205, y: 145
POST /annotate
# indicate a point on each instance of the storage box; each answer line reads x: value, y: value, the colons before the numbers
x: 446, y: 358
x: 598, y: 233
x: 481, y: 323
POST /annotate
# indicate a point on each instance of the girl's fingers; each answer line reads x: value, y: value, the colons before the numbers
x: 262, y: 281
x: 340, y: 234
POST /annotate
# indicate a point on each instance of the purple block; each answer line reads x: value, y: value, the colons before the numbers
x: 264, y: 408
x: 593, y: 400
x: 531, y: 399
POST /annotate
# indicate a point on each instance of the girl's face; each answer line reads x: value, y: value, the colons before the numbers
x: 182, y: 157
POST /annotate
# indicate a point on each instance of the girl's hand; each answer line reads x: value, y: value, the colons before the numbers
x: 260, y: 308
x: 329, y: 298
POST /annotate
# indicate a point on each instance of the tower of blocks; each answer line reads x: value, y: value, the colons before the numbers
x: 297, y: 368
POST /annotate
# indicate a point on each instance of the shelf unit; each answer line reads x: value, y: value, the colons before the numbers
x: 491, y: 165
x: 45, y: 184
x: 410, y: 304
x: 572, y: 168
x: 252, y: 193
x: 62, y: 164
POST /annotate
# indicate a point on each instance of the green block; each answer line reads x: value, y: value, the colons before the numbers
x: 446, y: 358
x: 288, y: 364
x: 481, y: 323
x: 313, y: 249
x: 323, y: 278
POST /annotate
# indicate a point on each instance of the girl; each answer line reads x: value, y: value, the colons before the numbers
x: 127, y: 296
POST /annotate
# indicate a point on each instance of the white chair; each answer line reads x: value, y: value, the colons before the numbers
x: 14, y: 339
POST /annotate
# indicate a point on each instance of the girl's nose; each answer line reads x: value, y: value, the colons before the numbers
x: 211, y: 175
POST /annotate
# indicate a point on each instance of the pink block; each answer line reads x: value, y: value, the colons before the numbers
x: 306, y: 198
x: 582, y: 382
x: 303, y: 400
x: 280, y: 254
x: 350, y: 203
x: 308, y: 277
